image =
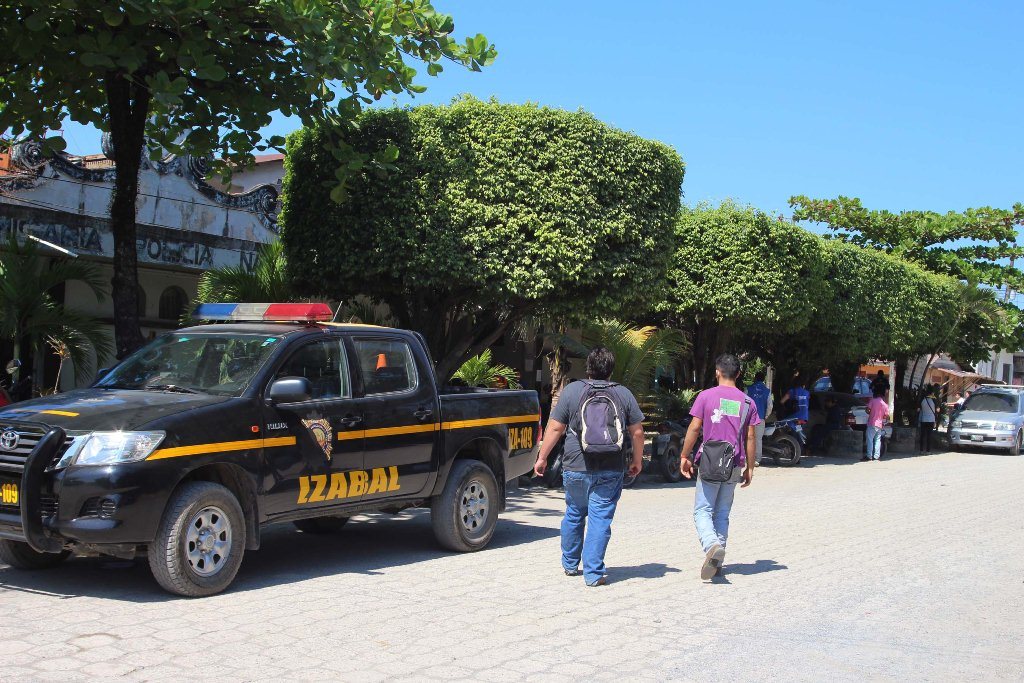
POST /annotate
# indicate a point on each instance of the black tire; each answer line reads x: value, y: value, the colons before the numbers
x: 786, y: 450
x: 669, y: 465
x: 21, y: 556
x: 321, y: 525
x: 1015, y: 449
x: 199, y: 513
x: 465, y: 513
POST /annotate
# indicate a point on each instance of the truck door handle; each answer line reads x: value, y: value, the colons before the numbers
x: 423, y: 414
x: 351, y: 421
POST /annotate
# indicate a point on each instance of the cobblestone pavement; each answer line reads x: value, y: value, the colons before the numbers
x: 912, y: 568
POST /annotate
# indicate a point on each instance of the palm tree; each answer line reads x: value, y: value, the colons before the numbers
x: 31, y: 312
x: 267, y: 281
x: 480, y: 371
x: 638, y: 351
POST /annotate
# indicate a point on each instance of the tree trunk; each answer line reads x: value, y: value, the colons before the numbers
x: 128, y: 103
x: 559, y: 372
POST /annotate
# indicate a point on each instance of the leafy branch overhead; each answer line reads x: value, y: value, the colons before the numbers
x: 970, y: 245
x: 217, y: 71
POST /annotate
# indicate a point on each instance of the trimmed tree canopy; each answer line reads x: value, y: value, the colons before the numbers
x: 490, y: 213
x: 744, y: 281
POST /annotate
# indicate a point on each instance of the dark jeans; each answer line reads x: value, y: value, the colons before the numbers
x: 925, y: 431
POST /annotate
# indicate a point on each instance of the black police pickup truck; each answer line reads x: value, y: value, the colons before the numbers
x: 187, y: 448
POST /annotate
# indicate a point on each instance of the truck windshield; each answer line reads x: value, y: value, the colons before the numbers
x: 992, y: 402
x: 221, y: 364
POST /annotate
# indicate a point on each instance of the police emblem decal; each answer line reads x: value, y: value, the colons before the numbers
x: 321, y: 431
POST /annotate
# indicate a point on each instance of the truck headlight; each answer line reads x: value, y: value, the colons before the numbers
x: 111, y: 448
x: 1004, y: 426
x: 956, y: 424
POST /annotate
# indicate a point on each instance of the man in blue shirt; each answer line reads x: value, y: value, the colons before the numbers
x: 801, y: 399
x: 761, y: 395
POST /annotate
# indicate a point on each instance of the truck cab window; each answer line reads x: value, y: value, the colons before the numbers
x: 324, y: 364
x: 387, y: 366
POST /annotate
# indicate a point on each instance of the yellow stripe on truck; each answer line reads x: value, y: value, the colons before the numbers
x: 221, y: 447
x: 248, y: 444
x: 485, y: 421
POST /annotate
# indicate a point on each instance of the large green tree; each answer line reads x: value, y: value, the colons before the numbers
x: 738, y: 273
x: 202, y: 77
x: 492, y: 212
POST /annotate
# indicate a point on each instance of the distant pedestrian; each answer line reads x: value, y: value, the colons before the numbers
x: 926, y: 421
x: 878, y: 414
x: 761, y: 395
x: 880, y: 383
x: 798, y: 401
x: 602, y: 423
x: 727, y: 418
x: 833, y: 422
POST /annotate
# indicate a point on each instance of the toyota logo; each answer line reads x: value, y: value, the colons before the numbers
x: 9, y: 439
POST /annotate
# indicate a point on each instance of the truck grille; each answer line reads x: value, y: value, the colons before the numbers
x: 29, y: 435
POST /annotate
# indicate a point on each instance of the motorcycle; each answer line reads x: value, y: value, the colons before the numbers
x: 784, y: 441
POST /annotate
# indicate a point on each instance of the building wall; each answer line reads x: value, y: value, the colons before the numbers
x: 185, y: 225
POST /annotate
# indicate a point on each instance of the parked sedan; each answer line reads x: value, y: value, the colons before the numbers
x: 993, y: 417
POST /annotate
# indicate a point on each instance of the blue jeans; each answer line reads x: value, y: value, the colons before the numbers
x: 711, y: 508
x: 874, y: 437
x: 592, y: 495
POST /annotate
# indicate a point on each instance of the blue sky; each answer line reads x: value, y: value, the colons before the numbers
x: 907, y: 105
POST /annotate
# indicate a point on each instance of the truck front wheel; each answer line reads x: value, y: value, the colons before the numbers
x: 465, y: 514
x: 199, y: 545
x: 21, y: 556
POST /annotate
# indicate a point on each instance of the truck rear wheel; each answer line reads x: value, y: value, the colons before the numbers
x: 320, y: 525
x: 199, y: 545
x: 21, y: 556
x: 466, y: 512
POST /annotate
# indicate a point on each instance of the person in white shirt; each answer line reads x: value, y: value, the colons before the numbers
x: 926, y: 422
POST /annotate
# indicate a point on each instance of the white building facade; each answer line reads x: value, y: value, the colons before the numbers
x: 185, y: 224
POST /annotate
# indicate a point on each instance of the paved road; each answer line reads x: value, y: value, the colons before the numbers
x: 908, y: 569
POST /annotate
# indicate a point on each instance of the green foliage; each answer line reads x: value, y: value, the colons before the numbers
x: 737, y: 265
x: 491, y: 213
x: 215, y: 72
x: 748, y: 283
x: 30, y: 310
x: 638, y: 351
x: 266, y: 282
x: 674, y: 405
x: 480, y: 371
x: 973, y: 245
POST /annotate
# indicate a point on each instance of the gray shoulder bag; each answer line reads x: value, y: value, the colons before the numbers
x: 716, y: 457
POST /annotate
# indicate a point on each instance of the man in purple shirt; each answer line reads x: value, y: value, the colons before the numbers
x: 723, y: 413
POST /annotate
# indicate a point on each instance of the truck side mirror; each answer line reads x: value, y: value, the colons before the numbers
x: 290, y: 390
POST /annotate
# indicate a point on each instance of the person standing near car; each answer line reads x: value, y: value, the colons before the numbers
x: 800, y: 401
x: 926, y: 421
x: 727, y: 419
x: 602, y: 422
x: 761, y: 395
x: 878, y: 414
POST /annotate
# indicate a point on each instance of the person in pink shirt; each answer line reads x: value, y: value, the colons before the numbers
x: 878, y: 415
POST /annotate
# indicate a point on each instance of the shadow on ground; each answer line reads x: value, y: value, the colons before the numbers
x: 748, y: 569
x: 366, y: 546
x: 651, y: 570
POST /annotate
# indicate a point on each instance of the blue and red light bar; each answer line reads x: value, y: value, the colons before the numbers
x: 264, y: 312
